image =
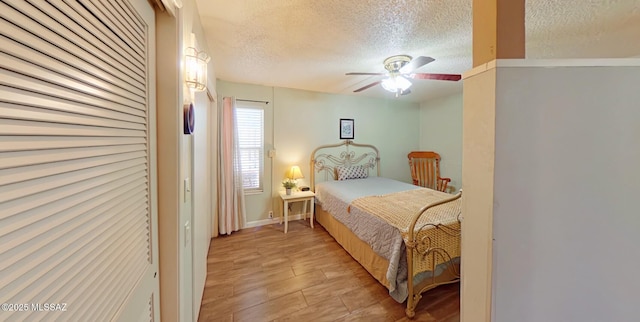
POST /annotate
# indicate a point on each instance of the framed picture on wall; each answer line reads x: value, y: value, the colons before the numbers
x: 346, y: 129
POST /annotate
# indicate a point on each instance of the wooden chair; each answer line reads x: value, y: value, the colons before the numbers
x: 425, y: 170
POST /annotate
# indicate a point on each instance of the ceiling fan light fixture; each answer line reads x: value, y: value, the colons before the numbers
x: 396, y: 83
x: 402, y: 83
x: 394, y: 63
x: 401, y: 68
x: 389, y: 84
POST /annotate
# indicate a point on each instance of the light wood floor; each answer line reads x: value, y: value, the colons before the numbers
x: 261, y: 274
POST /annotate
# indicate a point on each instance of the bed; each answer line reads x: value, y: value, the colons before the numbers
x: 395, y: 230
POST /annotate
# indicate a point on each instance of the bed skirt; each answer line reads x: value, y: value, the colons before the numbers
x: 375, y: 264
x: 359, y: 250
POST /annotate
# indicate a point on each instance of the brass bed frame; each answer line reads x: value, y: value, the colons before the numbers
x: 348, y: 153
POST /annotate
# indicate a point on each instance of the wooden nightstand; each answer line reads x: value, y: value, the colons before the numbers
x: 295, y: 197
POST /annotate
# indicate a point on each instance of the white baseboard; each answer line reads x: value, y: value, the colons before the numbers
x: 274, y: 220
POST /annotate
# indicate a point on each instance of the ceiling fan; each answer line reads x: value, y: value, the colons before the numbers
x: 400, y: 69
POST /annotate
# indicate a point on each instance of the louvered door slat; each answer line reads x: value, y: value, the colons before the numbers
x: 75, y: 200
x: 99, y: 234
x: 91, y: 283
x: 37, y: 279
x: 24, y: 143
x: 64, y: 59
x: 71, y: 35
x: 57, y: 225
x: 33, y: 70
x: 71, y: 178
x: 71, y: 269
x: 12, y: 79
x: 114, y: 294
x: 14, y: 206
x: 20, y: 97
x: 115, y: 19
x: 81, y: 22
x: 54, y: 129
x: 94, y: 284
x: 41, y: 209
x: 127, y: 14
x: 79, y: 42
x: 63, y: 249
x: 13, y: 159
x: 80, y: 270
x: 96, y: 26
x: 21, y: 112
x: 39, y: 170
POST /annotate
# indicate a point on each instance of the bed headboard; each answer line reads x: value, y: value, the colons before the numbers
x: 325, y: 158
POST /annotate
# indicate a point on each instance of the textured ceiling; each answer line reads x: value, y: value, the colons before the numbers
x: 311, y: 44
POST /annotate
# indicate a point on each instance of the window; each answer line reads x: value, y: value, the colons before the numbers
x: 250, y: 122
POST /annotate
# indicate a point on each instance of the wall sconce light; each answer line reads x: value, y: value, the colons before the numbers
x: 196, y: 68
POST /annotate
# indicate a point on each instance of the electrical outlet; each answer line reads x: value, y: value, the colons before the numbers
x: 270, y: 214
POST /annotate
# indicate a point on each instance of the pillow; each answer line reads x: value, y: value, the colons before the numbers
x: 353, y: 172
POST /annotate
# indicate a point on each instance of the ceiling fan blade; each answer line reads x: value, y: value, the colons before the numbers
x: 366, y: 87
x: 415, y: 64
x: 365, y: 74
x: 447, y: 77
x: 408, y: 91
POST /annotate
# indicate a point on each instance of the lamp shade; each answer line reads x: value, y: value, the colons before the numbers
x: 295, y: 173
x: 396, y: 82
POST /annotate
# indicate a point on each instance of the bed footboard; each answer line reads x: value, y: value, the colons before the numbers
x: 435, y: 240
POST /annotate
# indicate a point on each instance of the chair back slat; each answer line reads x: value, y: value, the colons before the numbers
x: 425, y: 170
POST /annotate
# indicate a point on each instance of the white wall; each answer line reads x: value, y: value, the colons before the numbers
x: 203, y: 191
x: 566, y: 182
x: 197, y: 163
x: 441, y: 131
x: 478, y: 149
x: 303, y: 120
x: 183, y: 252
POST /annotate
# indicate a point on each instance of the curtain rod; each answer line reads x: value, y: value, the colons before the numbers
x: 241, y: 100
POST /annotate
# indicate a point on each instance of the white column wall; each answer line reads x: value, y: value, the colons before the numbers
x: 565, y: 221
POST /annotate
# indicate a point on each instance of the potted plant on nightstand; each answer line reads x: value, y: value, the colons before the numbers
x: 288, y: 184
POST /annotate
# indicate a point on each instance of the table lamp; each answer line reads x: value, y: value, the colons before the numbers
x: 295, y: 173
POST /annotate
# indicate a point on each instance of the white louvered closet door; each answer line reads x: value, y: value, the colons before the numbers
x: 77, y: 167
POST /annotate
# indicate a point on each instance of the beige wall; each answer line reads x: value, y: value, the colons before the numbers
x: 441, y: 131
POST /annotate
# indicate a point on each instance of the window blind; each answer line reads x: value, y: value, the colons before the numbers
x: 250, y: 124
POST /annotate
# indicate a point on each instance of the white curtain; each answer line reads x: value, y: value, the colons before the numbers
x: 231, y: 212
